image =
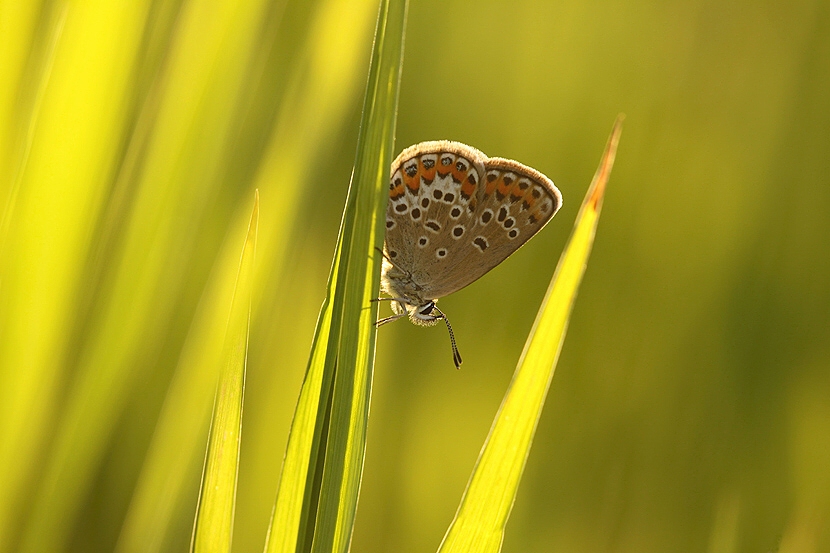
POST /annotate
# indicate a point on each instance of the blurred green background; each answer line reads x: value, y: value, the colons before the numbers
x: 690, y: 410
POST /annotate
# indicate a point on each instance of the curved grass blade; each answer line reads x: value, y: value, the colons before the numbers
x: 320, y: 480
x: 481, y: 518
x: 213, y: 528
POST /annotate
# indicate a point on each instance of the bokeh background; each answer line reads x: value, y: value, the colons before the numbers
x: 690, y: 410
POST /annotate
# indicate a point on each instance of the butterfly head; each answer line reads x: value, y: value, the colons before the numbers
x: 426, y: 314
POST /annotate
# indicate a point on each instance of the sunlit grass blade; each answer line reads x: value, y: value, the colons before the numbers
x: 17, y: 131
x: 170, y: 193
x: 323, y: 80
x: 481, y: 518
x: 70, y: 109
x: 317, y: 501
x: 213, y: 528
x: 178, y: 444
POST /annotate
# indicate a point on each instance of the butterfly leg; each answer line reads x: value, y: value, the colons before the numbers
x: 389, y: 319
x: 399, y: 312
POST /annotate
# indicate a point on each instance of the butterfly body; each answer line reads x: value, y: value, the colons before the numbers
x: 453, y: 215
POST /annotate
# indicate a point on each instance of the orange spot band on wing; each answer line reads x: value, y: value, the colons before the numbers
x: 396, y: 192
x: 467, y: 188
x: 413, y: 183
x: 491, y: 184
x: 457, y: 175
x: 428, y: 174
x: 529, y: 202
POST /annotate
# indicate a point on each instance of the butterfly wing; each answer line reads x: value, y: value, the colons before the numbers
x: 432, y: 188
x: 454, y: 213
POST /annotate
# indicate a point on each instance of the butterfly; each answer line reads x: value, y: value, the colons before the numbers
x: 453, y: 215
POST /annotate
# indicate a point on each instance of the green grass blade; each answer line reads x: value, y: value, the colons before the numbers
x: 481, y: 518
x: 323, y: 80
x: 65, y: 134
x: 213, y: 528
x: 297, y: 490
x: 316, y: 502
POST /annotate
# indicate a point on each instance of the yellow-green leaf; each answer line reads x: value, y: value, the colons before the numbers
x: 320, y: 480
x: 482, y: 516
x: 213, y: 528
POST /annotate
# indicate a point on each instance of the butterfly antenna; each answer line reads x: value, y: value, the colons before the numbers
x: 456, y: 357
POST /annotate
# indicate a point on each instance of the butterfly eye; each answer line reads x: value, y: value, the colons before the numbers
x: 426, y: 310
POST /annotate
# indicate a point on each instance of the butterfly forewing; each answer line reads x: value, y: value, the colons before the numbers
x: 454, y: 214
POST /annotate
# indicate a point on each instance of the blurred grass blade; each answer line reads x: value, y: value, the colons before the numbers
x: 323, y: 80
x: 213, y: 528
x: 317, y: 501
x: 69, y: 106
x: 480, y: 521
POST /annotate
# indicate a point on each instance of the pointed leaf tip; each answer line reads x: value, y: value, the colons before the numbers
x: 597, y: 189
